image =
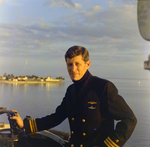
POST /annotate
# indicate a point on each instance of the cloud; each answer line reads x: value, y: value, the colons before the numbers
x: 36, y: 40
x: 92, y: 11
x: 60, y: 3
x: 12, y: 3
x: 77, y: 5
x: 70, y: 2
x: 97, y: 28
x: 110, y: 3
x: 133, y: 2
x: 115, y: 14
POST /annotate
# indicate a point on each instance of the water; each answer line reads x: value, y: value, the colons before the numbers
x: 37, y: 100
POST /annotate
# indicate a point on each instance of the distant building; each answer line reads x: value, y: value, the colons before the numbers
x: 40, y: 79
x: 12, y: 78
x: 49, y: 79
x: 15, y: 80
x: 4, y: 78
x: 21, y: 78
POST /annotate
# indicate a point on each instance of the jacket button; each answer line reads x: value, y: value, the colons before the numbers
x: 84, y: 134
x: 72, y: 132
x: 83, y: 120
x: 72, y: 145
x: 72, y: 119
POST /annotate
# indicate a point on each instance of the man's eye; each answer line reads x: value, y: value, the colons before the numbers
x: 69, y: 65
x: 77, y: 64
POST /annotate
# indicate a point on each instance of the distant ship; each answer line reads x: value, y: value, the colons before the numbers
x: 147, y: 64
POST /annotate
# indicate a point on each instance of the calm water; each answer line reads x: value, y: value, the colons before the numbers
x: 38, y: 100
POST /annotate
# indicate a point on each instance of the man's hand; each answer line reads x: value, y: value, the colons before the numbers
x: 18, y: 119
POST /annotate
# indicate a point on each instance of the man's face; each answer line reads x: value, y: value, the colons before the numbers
x: 77, y: 67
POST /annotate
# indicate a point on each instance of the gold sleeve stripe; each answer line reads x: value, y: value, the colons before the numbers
x: 33, y: 126
x: 92, y: 103
x: 30, y: 126
x: 107, y: 144
x: 113, y: 142
x: 110, y: 143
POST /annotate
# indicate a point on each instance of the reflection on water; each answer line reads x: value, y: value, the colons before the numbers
x: 31, y: 99
x: 48, y: 85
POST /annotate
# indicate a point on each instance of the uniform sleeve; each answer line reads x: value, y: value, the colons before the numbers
x: 120, y: 111
x: 47, y: 122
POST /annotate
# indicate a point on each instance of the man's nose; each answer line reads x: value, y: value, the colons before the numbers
x: 73, y: 67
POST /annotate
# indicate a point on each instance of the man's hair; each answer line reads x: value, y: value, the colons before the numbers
x: 76, y: 51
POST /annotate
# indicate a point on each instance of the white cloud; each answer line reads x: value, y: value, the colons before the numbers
x: 115, y: 26
x: 77, y: 5
x: 97, y: 8
x: 60, y: 3
x: 92, y: 11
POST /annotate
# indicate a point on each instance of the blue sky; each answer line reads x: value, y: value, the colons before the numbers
x: 34, y: 36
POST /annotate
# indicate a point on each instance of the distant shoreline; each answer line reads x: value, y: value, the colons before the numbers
x: 30, y: 82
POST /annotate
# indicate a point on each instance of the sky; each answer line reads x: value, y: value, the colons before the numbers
x: 35, y: 34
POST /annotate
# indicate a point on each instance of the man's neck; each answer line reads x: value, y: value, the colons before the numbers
x: 78, y: 84
x: 83, y: 79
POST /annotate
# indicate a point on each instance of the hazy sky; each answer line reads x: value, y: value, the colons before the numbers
x: 35, y: 34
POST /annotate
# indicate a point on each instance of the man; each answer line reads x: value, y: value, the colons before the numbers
x: 91, y: 105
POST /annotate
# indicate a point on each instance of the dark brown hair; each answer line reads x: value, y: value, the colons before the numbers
x: 77, y: 50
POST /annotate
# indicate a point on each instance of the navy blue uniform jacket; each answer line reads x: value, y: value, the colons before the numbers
x: 91, y: 115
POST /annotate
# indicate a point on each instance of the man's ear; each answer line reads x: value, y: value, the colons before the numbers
x: 88, y: 63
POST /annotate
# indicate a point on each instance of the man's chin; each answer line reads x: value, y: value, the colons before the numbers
x: 75, y: 78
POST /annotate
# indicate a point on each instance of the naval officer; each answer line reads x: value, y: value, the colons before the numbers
x: 91, y: 104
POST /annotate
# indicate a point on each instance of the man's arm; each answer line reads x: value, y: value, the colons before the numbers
x: 39, y: 124
x: 46, y: 122
x: 119, y: 110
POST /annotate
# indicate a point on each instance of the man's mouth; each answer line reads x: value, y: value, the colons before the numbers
x: 74, y: 74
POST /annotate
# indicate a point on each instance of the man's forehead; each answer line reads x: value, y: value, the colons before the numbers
x: 75, y: 59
